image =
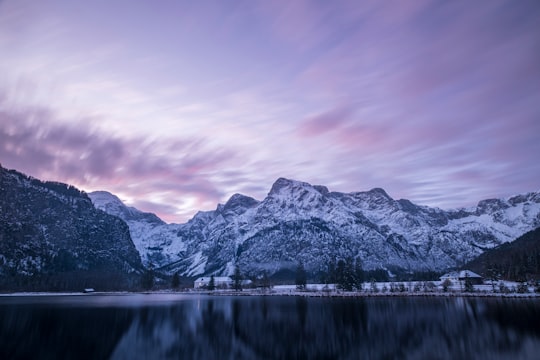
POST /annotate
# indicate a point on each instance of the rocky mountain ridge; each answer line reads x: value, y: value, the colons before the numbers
x: 52, y: 237
x: 301, y: 222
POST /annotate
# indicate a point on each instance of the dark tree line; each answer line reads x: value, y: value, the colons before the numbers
x: 522, y: 267
x: 376, y: 275
x: 518, y: 267
x: 175, y: 281
x: 518, y: 260
x: 147, y: 278
x: 70, y: 281
x: 347, y: 274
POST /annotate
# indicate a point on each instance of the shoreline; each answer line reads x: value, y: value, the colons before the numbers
x: 353, y: 294
x: 294, y: 293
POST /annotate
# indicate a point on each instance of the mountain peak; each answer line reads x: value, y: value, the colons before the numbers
x: 111, y: 204
x: 491, y: 206
x: 283, y: 183
x: 380, y: 192
x: 101, y: 198
x: 280, y: 184
x: 533, y: 197
x: 321, y: 188
x: 238, y: 202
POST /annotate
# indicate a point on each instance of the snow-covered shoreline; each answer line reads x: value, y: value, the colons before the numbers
x: 363, y: 294
x: 298, y: 293
x: 377, y: 289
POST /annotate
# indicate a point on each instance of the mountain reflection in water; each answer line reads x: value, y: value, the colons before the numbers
x: 163, y: 326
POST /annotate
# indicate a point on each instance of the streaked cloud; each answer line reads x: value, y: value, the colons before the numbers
x: 178, y: 106
x: 170, y: 170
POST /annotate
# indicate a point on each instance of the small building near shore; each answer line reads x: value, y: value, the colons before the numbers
x: 463, y: 275
x: 219, y: 282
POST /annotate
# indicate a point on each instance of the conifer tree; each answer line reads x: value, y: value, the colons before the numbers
x: 446, y: 284
x: 345, y: 274
x: 301, y: 276
x: 237, y: 279
x: 358, y: 275
x: 468, y: 284
x: 175, y: 282
x: 147, y: 280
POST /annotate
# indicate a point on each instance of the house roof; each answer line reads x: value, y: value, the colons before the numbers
x: 460, y: 274
x: 468, y: 273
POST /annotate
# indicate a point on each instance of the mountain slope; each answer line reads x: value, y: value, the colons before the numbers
x: 301, y: 222
x: 51, y: 230
x: 154, y: 240
x: 518, y: 260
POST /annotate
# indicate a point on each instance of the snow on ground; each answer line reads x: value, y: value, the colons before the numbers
x: 319, y: 290
x: 309, y: 287
x: 412, y: 288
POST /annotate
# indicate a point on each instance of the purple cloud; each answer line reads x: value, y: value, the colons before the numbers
x: 31, y: 141
x: 433, y: 101
x: 324, y: 122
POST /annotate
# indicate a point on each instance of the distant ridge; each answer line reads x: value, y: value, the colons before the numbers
x: 301, y: 222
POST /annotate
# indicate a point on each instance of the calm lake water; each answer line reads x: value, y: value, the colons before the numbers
x: 163, y: 326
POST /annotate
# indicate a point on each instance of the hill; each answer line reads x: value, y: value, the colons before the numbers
x: 53, y: 238
x: 518, y: 260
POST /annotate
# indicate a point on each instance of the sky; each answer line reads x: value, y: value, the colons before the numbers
x: 176, y: 105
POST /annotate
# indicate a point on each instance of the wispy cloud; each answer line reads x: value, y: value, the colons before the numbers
x: 434, y: 101
x: 325, y: 122
x: 137, y: 168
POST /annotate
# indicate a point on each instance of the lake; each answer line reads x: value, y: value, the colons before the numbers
x: 175, y: 326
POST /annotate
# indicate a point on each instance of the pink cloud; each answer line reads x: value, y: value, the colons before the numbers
x: 88, y: 158
x: 325, y: 122
x: 423, y: 98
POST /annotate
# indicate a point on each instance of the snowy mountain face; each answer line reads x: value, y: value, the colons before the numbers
x: 110, y: 203
x: 49, y: 228
x: 153, y: 239
x: 300, y: 222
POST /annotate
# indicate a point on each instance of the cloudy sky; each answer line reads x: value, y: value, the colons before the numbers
x: 176, y: 105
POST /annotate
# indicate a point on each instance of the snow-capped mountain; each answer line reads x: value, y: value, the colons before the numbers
x: 52, y: 233
x: 301, y: 222
x: 110, y: 203
x: 154, y: 240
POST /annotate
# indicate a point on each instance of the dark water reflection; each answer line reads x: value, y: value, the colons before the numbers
x: 200, y: 327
